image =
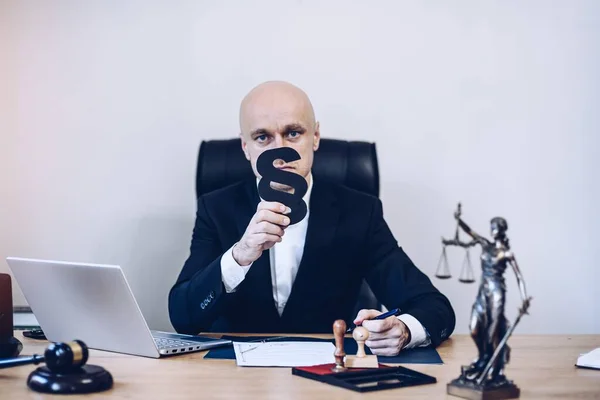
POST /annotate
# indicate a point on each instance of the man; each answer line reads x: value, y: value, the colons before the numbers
x: 250, y: 271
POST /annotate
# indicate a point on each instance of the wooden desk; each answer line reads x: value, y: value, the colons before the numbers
x: 542, y: 366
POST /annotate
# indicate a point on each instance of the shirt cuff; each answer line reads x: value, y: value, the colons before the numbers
x: 232, y: 274
x: 418, y: 334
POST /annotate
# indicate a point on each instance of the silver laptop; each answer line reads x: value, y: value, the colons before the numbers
x: 94, y: 303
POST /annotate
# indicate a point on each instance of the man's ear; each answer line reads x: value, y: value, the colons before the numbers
x: 244, y: 145
x: 317, y: 137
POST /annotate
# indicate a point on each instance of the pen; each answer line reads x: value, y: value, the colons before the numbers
x: 395, y: 312
x: 268, y: 339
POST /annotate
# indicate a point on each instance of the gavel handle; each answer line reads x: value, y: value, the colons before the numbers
x: 15, y: 362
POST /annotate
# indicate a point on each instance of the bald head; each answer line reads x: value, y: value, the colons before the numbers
x: 277, y: 114
x: 275, y: 99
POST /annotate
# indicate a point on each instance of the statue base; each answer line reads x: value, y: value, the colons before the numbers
x: 469, y: 390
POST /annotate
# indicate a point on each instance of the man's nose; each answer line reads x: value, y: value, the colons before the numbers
x: 279, y: 142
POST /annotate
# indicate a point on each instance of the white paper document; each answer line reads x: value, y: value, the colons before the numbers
x: 283, y: 354
x: 589, y: 360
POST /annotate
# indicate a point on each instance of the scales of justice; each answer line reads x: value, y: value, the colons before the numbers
x: 484, y: 378
x: 443, y: 270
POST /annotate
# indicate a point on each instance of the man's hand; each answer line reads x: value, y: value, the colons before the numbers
x: 264, y: 230
x: 387, y: 337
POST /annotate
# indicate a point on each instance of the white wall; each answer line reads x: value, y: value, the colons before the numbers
x: 495, y: 104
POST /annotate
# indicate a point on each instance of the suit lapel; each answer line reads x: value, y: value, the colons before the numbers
x: 249, y: 205
x: 257, y: 282
x: 322, y: 225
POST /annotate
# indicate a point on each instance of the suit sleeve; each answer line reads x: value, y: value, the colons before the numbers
x: 198, y: 296
x: 398, y: 283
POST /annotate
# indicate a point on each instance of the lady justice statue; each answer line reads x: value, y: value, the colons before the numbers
x: 489, y: 328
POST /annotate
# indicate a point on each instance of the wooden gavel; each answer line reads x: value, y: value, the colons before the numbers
x: 59, y: 357
x: 65, y: 372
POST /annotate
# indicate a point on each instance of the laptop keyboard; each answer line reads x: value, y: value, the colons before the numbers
x: 164, y: 343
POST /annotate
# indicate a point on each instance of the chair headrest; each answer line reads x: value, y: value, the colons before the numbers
x: 350, y: 163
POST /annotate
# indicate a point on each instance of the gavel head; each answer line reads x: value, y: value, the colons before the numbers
x: 65, y: 357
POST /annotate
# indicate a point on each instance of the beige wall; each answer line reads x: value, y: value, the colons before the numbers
x: 494, y: 104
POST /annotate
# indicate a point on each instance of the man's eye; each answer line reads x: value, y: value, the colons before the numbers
x: 294, y: 134
x: 261, y: 138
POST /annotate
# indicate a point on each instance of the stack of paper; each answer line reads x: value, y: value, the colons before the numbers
x: 589, y: 360
x: 283, y: 354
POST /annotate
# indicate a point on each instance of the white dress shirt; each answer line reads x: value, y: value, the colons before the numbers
x: 285, y: 259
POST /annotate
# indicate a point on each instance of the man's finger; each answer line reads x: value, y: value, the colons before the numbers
x: 376, y: 336
x: 272, y: 217
x: 380, y: 325
x: 261, y: 238
x: 268, y: 245
x: 398, y: 330
x: 268, y: 227
x: 273, y: 206
x: 365, y: 314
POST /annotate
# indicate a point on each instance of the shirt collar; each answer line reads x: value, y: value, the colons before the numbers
x: 306, y: 197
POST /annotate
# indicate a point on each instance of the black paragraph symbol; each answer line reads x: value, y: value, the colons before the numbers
x: 270, y: 173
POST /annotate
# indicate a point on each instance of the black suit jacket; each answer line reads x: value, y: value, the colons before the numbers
x: 347, y: 240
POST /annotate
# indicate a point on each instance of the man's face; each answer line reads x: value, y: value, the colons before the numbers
x: 280, y: 117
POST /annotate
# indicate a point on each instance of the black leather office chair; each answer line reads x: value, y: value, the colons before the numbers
x: 353, y: 164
